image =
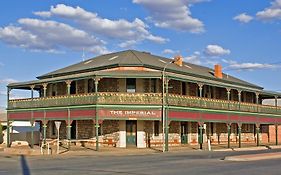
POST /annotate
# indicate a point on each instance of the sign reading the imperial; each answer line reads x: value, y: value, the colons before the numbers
x: 130, y: 113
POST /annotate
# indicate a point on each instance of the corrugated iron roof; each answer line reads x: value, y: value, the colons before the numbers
x: 132, y: 58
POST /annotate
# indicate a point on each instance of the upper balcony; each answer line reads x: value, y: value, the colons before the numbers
x: 115, y: 98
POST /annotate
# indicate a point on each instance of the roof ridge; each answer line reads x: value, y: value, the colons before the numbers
x: 133, y: 51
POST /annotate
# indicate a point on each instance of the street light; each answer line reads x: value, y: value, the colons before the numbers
x: 164, y: 115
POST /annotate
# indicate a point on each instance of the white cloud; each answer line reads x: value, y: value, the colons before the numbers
x: 120, y: 29
x: 272, y: 12
x: 43, y: 14
x: 50, y: 36
x: 194, y: 59
x: 243, y: 18
x: 7, y: 81
x: 170, y: 51
x: 127, y: 44
x: 233, y: 65
x: 216, y: 50
x: 172, y: 14
x: 3, y: 93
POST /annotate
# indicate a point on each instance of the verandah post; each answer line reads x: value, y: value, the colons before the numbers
x: 228, y: 134
x: 239, y: 134
x: 258, y: 134
x: 201, y: 127
x: 276, y: 125
x: 96, y: 113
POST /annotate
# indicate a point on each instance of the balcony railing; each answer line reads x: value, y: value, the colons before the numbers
x: 140, y: 99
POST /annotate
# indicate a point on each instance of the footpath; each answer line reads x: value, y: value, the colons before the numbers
x: 112, y: 151
x: 254, y: 157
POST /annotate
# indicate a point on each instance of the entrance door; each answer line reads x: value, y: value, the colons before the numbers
x: 131, y: 132
x: 73, y: 129
x: 184, y: 133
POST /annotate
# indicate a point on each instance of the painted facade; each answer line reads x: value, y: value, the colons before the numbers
x: 124, y: 104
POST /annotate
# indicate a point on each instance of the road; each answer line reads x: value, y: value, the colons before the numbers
x: 190, y: 162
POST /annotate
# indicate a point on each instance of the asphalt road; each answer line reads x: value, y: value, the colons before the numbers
x: 190, y: 162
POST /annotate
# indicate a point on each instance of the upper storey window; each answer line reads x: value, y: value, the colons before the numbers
x: 131, y: 85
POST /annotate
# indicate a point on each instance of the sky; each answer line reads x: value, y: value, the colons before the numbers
x: 37, y: 37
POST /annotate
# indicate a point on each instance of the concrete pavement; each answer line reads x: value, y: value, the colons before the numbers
x: 254, y: 157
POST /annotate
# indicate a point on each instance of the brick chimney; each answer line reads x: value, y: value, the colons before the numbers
x: 178, y: 60
x: 218, y: 71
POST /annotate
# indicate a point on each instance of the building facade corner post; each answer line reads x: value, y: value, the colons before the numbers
x: 239, y: 125
x: 201, y: 127
x: 228, y: 91
x: 200, y: 86
x: 32, y: 125
x: 8, y: 134
x: 44, y: 132
x: 228, y: 134
x: 276, y: 134
x: 257, y: 100
x: 32, y: 91
x: 8, y: 96
x: 68, y: 85
x: 45, y: 89
x: 239, y: 98
x: 257, y: 125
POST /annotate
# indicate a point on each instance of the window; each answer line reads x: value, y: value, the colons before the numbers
x: 183, y: 88
x: 53, y: 128
x: 131, y: 85
x: 91, y: 87
x: 100, y: 130
x: 156, y: 128
x: 73, y: 87
x: 153, y: 85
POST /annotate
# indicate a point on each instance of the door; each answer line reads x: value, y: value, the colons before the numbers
x: 73, y: 129
x: 131, y: 132
x: 184, y: 133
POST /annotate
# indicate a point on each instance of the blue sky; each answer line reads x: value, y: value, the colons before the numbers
x: 244, y: 36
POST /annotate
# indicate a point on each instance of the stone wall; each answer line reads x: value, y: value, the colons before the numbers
x: 85, y: 129
x: 108, y: 85
x: 61, y: 88
x: 193, y: 89
x: 146, y: 85
x: 220, y: 93
x: 80, y: 87
x: 193, y: 132
x: 121, y: 84
x: 175, y: 87
x: 51, y: 127
x: 110, y: 130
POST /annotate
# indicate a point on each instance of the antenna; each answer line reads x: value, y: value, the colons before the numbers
x: 83, y: 55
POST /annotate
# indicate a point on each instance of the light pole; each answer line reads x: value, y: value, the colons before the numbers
x: 164, y: 115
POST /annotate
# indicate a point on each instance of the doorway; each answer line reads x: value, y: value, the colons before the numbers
x: 73, y: 129
x: 131, y: 133
x: 184, y: 133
